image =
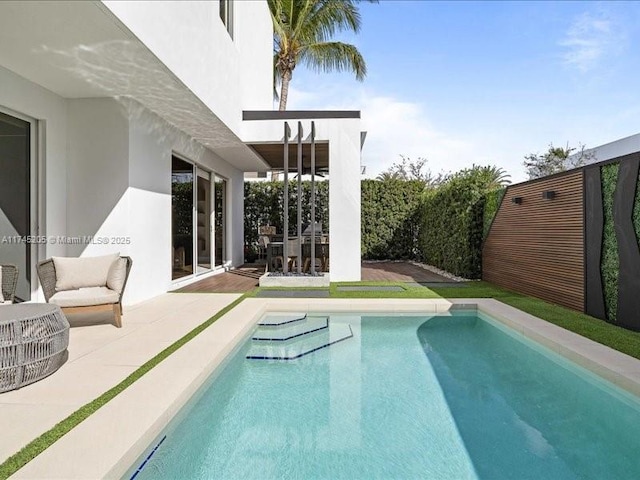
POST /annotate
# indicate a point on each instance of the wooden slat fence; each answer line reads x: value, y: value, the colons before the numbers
x: 537, y: 247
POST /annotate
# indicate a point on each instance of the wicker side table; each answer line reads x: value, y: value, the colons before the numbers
x: 33, y: 343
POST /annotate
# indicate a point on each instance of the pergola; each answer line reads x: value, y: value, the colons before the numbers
x: 310, y: 157
x: 330, y: 143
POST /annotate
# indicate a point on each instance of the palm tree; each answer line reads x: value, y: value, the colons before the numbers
x: 388, y: 176
x: 302, y: 34
x: 495, y: 177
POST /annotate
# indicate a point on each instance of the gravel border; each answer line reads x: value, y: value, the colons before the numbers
x: 430, y: 268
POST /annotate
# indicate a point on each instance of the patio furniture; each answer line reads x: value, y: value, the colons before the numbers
x: 275, y: 254
x: 33, y: 343
x: 322, y: 256
x: 86, y: 284
x: 267, y: 230
x: 8, y: 283
x: 263, y: 243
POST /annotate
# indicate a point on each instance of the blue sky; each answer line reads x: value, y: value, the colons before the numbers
x: 486, y: 82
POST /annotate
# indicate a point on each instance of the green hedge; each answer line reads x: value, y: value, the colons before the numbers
x: 443, y: 226
x: 264, y: 205
x: 452, y: 224
x: 389, y: 224
x: 609, y: 261
x: 492, y: 202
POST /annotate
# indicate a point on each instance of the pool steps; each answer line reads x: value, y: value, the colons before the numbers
x: 291, y: 341
x: 289, y: 331
x: 278, y: 320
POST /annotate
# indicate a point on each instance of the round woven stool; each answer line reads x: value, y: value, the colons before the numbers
x: 33, y: 343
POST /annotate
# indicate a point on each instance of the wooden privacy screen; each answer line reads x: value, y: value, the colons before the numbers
x: 536, y: 247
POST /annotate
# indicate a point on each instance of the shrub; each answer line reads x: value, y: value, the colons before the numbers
x: 389, y: 224
x: 264, y: 205
x: 452, y: 220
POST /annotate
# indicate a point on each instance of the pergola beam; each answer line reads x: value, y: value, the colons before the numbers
x: 285, y: 220
x: 299, y: 243
x: 313, y: 198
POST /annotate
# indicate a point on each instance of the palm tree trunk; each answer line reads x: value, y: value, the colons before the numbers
x: 284, y: 91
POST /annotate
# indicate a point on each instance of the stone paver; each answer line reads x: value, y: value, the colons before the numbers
x: 398, y: 272
x: 100, y: 357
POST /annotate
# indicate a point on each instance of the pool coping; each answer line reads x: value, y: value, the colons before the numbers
x: 107, y: 444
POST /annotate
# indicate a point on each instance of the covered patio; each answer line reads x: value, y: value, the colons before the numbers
x: 319, y: 144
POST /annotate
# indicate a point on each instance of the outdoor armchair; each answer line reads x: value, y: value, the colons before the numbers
x: 8, y: 283
x: 86, y: 284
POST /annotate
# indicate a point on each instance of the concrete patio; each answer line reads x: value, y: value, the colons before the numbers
x: 101, y: 356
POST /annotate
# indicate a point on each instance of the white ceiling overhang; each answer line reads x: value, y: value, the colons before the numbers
x: 80, y: 50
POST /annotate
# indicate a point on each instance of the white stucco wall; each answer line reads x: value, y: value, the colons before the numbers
x: 106, y: 162
x: 106, y: 172
x: 97, y: 175
x: 228, y: 75
x: 344, y: 198
x: 615, y: 149
x: 50, y: 110
x: 120, y: 188
x: 152, y: 143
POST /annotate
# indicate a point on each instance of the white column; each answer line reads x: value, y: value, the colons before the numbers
x: 344, y: 200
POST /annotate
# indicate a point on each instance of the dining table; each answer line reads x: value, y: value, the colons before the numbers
x: 276, y: 249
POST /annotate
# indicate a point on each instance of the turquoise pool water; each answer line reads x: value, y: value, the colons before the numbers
x: 404, y: 397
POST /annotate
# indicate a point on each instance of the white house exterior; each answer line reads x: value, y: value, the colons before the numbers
x: 107, y: 104
x: 615, y: 149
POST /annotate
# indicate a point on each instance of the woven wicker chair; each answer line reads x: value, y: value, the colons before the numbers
x: 47, y: 275
x: 9, y: 282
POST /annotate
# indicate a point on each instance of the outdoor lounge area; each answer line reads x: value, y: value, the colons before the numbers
x: 214, y: 267
x: 100, y: 357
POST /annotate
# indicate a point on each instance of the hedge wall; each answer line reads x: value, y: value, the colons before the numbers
x: 444, y: 227
x: 451, y: 230
x: 263, y: 205
x: 610, y: 263
x: 389, y: 223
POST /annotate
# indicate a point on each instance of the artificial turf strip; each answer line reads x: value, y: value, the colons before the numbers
x: 44, y: 441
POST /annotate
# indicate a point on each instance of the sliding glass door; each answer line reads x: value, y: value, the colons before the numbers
x: 220, y: 209
x: 197, y: 218
x: 16, y: 203
x: 203, y: 188
x: 182, y: 176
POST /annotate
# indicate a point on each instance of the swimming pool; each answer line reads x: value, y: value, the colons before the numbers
x: 405, y: 396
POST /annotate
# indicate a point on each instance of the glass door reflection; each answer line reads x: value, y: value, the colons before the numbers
x: 220, y: 231
x: 203, y: 206
x: 15, y: 199
x: 181, y: 218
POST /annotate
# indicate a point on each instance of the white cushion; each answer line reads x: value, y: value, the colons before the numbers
x: 74, y: 273
x: 85, y: 297
x: 117, y: 275
x: 1, y: 294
